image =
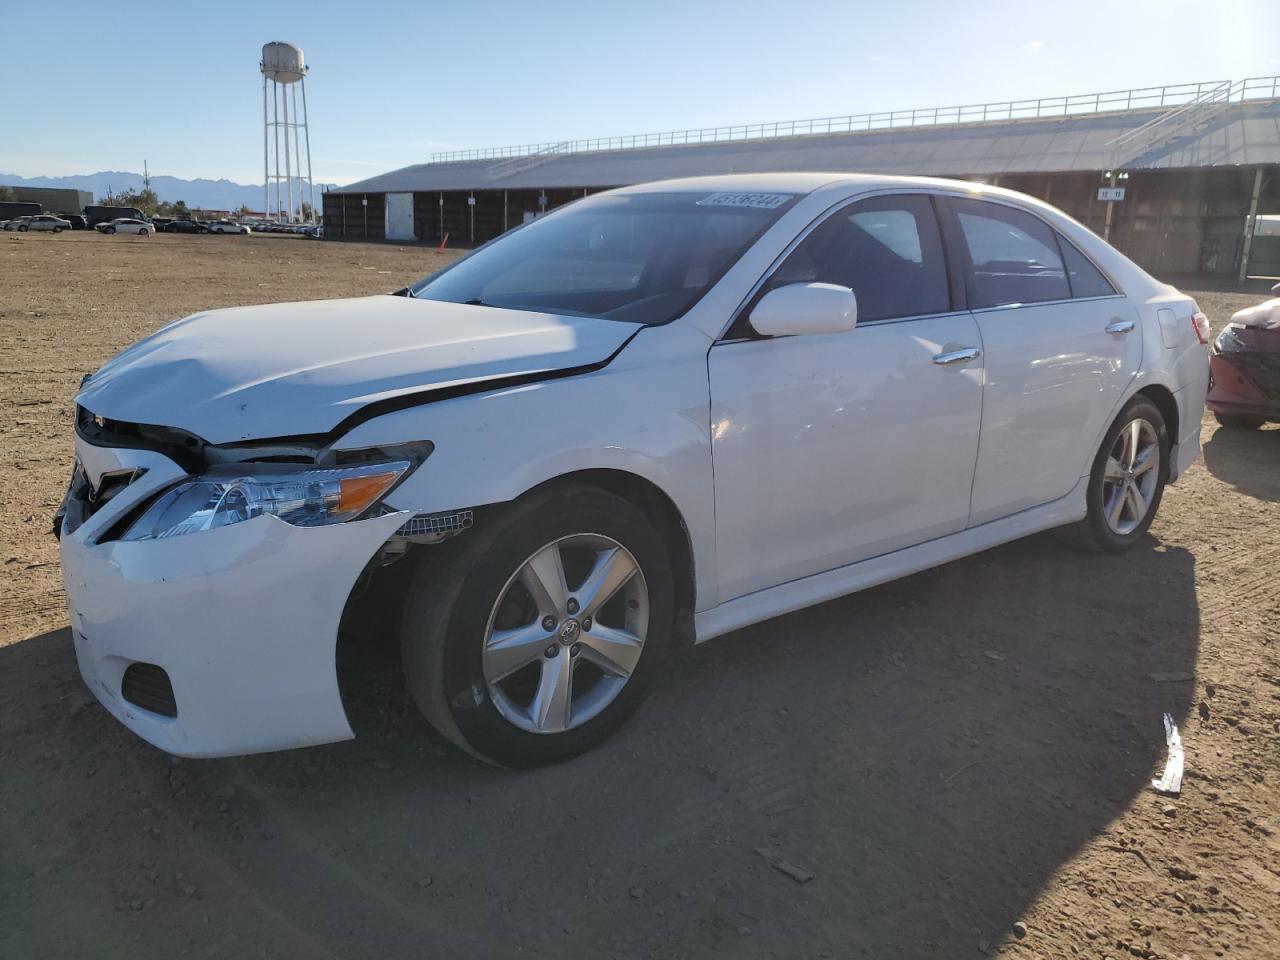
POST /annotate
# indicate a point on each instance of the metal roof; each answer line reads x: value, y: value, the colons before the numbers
x: 1201, y: 133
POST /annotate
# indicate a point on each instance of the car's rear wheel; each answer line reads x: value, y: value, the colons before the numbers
x: 1239, y: 421
x: 534, y: 635
x: 1128, y: 479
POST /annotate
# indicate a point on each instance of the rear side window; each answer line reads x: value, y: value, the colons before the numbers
x: 1086, y: 279
x: 886, y: 249
x: 1014, y: 255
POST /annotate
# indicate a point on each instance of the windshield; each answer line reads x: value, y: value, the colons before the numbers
x: 643, y: 258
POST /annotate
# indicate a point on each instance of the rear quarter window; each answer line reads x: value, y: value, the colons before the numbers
x: 1014, y: 256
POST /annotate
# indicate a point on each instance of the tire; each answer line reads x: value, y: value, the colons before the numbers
x: 144, y: 233
x: 57, y: 229
x: 1238, y: 421
x: 111, y: 230
x: 1103, y: 528
x: 23, y: 228
x: 462, y: 591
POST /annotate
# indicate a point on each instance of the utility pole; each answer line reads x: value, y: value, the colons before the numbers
x: 1106, y: 224
x: 1250, y: 225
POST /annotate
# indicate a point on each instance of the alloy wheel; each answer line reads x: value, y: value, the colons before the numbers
x: 1130, y: 477
x: 566, y: 633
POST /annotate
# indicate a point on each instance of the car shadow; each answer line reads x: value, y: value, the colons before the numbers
x: 1248, y: 460
x: 931, y: 751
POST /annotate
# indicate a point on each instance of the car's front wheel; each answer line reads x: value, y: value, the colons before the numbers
x: 533, y: 636
x: 1128, y: 478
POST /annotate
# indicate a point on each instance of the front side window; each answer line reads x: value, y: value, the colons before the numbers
x: 1014, y: 256
x: 886, y: 249
x: 643, y: 258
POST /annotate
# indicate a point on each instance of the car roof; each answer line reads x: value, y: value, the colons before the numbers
x: 789, y: 182
x: 805, y: 183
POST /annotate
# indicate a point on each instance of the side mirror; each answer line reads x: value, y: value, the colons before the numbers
x: 800, y: 308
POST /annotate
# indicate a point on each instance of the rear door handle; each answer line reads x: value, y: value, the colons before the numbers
x: 1120, y: 326
x: 957, y: 356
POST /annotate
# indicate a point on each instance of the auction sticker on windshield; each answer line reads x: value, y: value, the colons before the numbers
x: 761, y: 201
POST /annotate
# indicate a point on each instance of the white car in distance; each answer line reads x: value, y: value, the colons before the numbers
x: 228, y: 226
x: 707, y: 402
x: 46, y: 222
x: 141, y: 228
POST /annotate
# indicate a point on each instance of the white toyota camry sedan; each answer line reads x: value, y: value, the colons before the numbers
x: 671, y: 409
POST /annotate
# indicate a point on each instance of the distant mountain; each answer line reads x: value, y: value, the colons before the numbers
x: 213, y: 194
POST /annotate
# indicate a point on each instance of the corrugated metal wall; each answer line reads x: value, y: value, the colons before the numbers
x: 355, y: 216
x: 1171, y: 222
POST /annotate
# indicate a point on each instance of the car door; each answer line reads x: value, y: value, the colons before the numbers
x: 1061, y: 346
x: 829, y: 449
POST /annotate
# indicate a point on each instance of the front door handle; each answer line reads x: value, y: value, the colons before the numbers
x: 1120, y: 326
x: 957, y: 356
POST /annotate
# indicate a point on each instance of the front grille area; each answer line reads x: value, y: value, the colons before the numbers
x: 146, y: 685
x: 183, y: 448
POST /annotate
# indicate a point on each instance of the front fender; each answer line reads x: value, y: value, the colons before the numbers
x: 647, y: 413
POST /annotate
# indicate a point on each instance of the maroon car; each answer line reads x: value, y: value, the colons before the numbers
x: 1244, y: 368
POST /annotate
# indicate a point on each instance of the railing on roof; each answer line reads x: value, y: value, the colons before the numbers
x: 1143, y: 98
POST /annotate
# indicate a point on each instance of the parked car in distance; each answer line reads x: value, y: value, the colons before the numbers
x: 1244, y: 381
x: 142, y: 228
x: 98, y: 214
x: 684, y: 406
x: 227, y: 226
x: 17, y: 223
x: 186, y: 226
x: 46, y: 222
x: 77, y: 221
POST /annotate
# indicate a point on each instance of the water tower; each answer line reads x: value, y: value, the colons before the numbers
x: 284, y: 71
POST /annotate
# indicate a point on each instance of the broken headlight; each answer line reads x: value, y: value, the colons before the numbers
x: 1228, y: 342
x: 302, y: 496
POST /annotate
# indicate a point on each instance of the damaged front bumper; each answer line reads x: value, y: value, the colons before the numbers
x: 240, y: 622
x: 1246, y: 379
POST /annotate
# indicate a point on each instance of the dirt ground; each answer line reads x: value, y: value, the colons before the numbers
x: 950, y: 755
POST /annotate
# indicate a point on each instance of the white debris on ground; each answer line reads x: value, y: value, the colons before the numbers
x: 1170, y: 783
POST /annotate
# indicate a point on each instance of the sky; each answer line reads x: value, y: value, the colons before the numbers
x: 177, y: 83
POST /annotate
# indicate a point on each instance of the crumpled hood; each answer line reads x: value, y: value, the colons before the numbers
x: 288, y: 369
x: 1264, y: 316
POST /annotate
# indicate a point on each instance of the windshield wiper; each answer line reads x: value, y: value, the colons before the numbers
x: 475, y: 302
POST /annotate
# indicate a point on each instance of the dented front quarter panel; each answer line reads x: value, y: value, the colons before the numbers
x: 491, y: 448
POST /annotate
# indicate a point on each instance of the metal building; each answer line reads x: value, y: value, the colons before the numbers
x: 1174, y: 176
x: 52, y: 199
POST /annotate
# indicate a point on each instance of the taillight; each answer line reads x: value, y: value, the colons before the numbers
x: 1200, y: 324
